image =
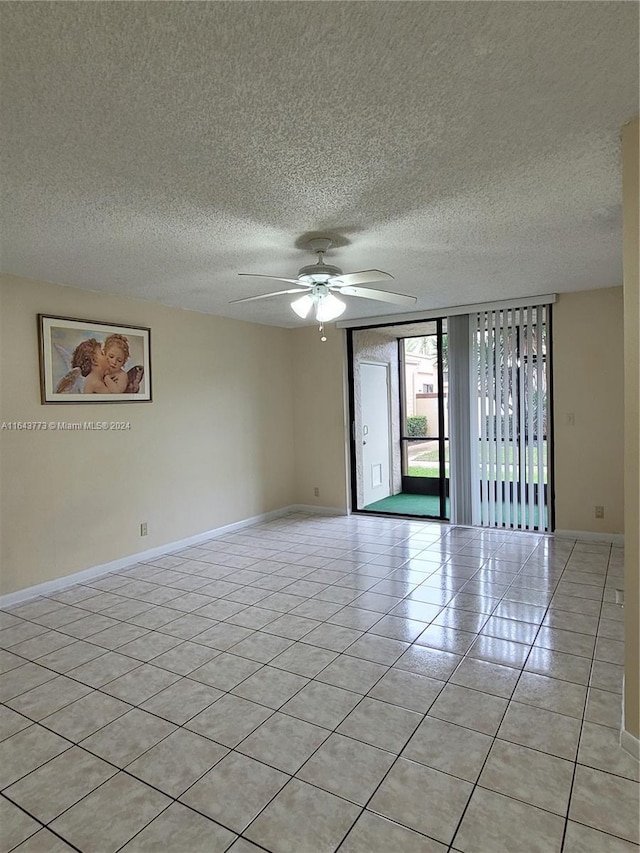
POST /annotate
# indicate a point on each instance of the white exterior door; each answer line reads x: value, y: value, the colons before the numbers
x: 374, y: 386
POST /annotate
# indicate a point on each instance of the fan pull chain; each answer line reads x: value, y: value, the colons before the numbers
x: 323, y: 337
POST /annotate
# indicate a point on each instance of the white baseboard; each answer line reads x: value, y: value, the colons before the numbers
x: 141, y: 556
x: 317, y: 510
x: 590, y: 536
x: 630, y: 744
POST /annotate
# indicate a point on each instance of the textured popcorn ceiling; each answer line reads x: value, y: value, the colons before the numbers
x: 470, y: 149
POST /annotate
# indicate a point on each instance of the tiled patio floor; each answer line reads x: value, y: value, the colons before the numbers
x: 314, y: 684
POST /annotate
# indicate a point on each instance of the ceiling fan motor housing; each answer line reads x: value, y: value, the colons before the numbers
x: 318, y: 272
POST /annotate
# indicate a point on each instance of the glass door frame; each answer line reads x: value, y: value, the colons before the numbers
x: 416, y: 485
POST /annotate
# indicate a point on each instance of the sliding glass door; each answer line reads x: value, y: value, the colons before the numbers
x: 468, y: 424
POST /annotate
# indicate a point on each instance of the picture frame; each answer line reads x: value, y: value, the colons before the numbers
x: 85, y: 361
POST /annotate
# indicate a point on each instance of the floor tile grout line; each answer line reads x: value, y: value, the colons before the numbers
x: 118, y: 770
x: 142, y: 829
x: 132, y: 706
x: 24, y: 811
x: 178, y: 800
x: 279, y: 710
x: 84, y: 684
x: 78, y: 744
x: 131, y: 775
x: 382, y: 780
x: 40, y: 828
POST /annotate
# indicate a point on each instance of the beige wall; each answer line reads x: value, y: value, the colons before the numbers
x: 588, y: 384
x: 631, y: 202
x: 429, y: 406
x: 212, y: 448
x: 320, y: 419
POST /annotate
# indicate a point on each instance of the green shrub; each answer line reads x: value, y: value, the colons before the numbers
x: 417, y: 426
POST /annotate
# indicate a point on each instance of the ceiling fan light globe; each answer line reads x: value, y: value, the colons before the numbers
x: 303, y: 305
x: 329, y: 308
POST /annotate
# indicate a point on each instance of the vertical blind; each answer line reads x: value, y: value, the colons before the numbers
x: 463, y: 436
x: 509, y: 358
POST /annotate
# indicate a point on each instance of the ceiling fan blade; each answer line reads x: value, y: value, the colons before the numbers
x: 379, y: 295
x: 267, y: 295
x: 276, y: 277
x: 362, y: 277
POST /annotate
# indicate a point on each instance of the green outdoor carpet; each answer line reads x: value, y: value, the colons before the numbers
x: 405, y: 504
x: 427, y: 505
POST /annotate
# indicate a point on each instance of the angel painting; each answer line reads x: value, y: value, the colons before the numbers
x: 97, y: 369
x: 104, y: 361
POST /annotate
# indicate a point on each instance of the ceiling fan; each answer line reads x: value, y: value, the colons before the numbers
x: 318, y: 283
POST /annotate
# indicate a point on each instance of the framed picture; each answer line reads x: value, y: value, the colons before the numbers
x: 86, y: 362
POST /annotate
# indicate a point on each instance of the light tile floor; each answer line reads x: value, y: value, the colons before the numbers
x: 315, y: 684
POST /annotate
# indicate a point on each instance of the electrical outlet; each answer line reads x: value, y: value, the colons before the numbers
x: 143, y: 529
x: 599, y: 512
x: 316, y: 492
